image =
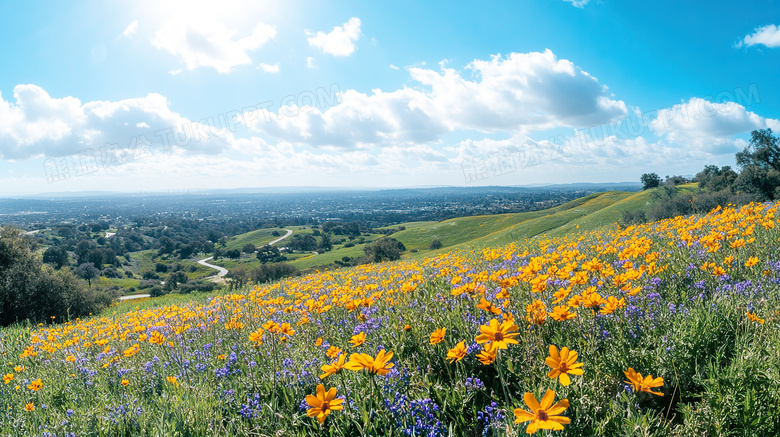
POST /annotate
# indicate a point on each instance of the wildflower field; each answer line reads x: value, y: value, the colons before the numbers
x: 668, y: 328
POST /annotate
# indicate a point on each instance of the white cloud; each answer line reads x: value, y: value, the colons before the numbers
x: 130, y: 30
x: 38, y: 125
x: 340, y: 41
x: 393, y: 67
x: 516, y: 94
x: 578, y: 3
x: 310, y: 62
x: 708, y: 126
x: 209, y: 43
x: 269, y: 68
x: 768, y: 36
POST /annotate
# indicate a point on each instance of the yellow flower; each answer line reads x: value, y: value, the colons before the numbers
x: 172, y: 380
x: 612, y: 303
x: 257, y: 337
x: 457, y: 353
x: 646, y: 384
x: 35, y: 385
x: 592, y: 300
x: 561, y: 313
x: 751, y: 261
x: 537, y: 312
x: 8, y: 377
x: 407, y: 328
x: 333, y: 352
x: 333, y: 367
x: 271, y: 326
x: 543, y: 415
x: 498, y: 335
x: 129, y: 352
x: 322, y: 404
x: 358, y: 339
x: 70, y: 358
x: 318, y: 342
x: 29, y: 407
x: 286, y: 329
x: 157, y: 338
x: 563, y: 364
x: 125, y: 382
x: 488, y: 355
x: 754, y: 318
x: 487, y: 306
x: 18, y: 369
x: 378, y: 366
x: 438, y: 335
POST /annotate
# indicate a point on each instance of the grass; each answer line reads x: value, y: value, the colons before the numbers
x: 259, y: 237
x: 693, y: 301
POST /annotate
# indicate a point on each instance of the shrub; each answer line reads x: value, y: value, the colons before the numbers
x: 31, y: 291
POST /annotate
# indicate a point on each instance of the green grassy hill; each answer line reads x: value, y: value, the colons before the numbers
x: 591, y: 212
x: 587, y: 213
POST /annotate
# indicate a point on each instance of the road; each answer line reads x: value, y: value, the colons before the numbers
x: 135, y: 296
x: 289, y: 232
x: 221, y: 271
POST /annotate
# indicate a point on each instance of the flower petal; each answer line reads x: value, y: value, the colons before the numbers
x: 531, y: 401
x: 523, y: 416
x: 547, y: 400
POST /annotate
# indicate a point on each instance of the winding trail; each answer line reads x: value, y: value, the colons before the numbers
x: 135, y: 296
x: 221, y: 271
x: 289, y: 232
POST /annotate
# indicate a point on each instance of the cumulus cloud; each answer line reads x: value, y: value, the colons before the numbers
x: 578, y: 3
x: 130, y: 30
x: 269, y: 68
x: 708, y: 126
x: 518, y: 93
x: 340, y: 41
x: 768, y: 36
x: 37, y: 124
x: 309, y: 62
x: 200, y: 42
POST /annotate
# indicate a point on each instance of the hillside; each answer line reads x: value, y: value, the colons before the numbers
x: 461, y: 343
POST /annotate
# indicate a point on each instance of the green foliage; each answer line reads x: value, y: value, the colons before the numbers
x: 31, y: 291
x: 650, y: 180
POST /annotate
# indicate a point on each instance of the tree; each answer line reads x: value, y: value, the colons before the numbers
x: 174, y: 279
x: 233, y: 254
x: 715, y: 179
x: 270, y: 253
x: 384, y: 249
x: 55, y: 255
x: 763, y: 151
x: 248, y: 248
x: 757, y: 181
x: 325, y: 243
x: 160, y: 268
x: 435, y: 244
x: 87, y: 271
x: 650, y: 180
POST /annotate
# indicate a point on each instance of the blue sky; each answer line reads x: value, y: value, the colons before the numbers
x: 157, y: 96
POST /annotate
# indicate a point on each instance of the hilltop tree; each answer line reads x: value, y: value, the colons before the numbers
x: 763, y: 151
x: 384, y: 249
x: 714, y: 178
x: 650, y: 180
